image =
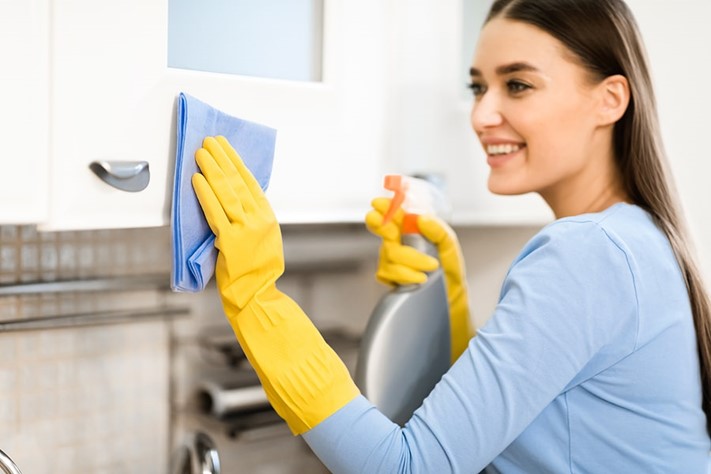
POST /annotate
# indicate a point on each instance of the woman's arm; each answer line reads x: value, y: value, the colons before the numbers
x: 567, y: 295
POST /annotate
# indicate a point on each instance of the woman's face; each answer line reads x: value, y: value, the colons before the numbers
x: 534, y: 112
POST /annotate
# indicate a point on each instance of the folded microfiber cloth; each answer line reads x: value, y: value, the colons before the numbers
x: 194, y: 252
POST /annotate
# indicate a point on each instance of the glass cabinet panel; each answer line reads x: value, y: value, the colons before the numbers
x: 281, y: 39
x: 473, y: 14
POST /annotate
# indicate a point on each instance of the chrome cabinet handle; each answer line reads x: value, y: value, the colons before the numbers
x: 7, y: 465
x: 131, y: 176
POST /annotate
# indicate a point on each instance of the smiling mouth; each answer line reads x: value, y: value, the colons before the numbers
x: 503, y: 149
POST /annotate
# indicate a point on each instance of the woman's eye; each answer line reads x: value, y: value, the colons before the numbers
x: 477, y: 88
x: 516, y: 87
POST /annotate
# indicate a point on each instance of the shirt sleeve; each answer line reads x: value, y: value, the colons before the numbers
x: 567, y: 297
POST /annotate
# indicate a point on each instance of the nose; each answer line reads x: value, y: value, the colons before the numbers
x: 486, y: 113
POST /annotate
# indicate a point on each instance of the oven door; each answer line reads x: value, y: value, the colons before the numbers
x: 217, y: 393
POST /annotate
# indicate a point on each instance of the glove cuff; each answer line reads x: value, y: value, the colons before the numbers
x: 305, y: 380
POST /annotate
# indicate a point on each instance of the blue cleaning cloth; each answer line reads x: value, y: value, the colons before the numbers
x: 194, y: 252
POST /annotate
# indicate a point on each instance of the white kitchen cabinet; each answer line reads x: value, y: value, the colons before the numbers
x: 24, y: 126
x: 110, y: 100
x: 113, y: 98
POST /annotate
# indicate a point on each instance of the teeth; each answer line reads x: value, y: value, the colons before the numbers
x: 502, y: 149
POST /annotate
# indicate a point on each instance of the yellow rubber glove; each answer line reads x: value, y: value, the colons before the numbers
x: 401, y: 265
x: 304, y: 379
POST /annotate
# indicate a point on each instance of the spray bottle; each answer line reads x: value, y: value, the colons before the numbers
x: 405, y: 348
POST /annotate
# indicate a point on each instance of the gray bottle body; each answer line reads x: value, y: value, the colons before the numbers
x: 405, y: 348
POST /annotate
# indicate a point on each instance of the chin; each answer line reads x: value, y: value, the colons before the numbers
x: 505, y: 187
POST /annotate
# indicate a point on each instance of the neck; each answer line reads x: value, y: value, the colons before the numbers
x: 594, y: 189
x: 596, y: 202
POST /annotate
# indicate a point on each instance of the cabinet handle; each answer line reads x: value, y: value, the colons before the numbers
x: 131, y: 176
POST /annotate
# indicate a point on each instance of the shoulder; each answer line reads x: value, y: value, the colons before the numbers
x: 581, y: 263
x: 572, y: 291
x: 587, y: 241
x: 576, y: 275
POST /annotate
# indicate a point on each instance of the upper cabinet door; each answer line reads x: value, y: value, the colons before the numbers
x: 110, y: 101
x: 24, y: 122
x: 116, y: 76
x: 330, y: 122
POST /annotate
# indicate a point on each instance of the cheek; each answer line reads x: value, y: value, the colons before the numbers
x: 551, y: 156
x: 555, y: 135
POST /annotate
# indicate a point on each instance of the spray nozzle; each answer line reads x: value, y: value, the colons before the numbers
x: 415, y: 196
x: 394, y: 182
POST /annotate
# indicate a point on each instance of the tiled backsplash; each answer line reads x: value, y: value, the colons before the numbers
x: 87, y: 398
x: 29, y: 256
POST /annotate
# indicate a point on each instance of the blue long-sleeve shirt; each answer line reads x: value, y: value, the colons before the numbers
x: 588, y: 365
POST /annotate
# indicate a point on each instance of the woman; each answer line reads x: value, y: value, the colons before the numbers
x: 597, y: 357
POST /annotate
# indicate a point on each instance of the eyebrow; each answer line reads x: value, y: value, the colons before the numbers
x: 506, y: 69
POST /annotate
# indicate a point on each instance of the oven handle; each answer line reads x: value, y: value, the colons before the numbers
x: 7, y: 465
x: 198, y: 455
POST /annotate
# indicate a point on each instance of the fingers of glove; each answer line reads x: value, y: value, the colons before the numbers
x: 224, y: 189
x: 374, y: 220
x: 406, y: 256
x: 374, y: 223
x: 211, y: 207
x: 381, y: 204
x: 232, y: 174
x: 251, y: 182
x: 394, y: 274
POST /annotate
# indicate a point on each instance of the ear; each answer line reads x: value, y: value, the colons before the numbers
x: 614, y: 99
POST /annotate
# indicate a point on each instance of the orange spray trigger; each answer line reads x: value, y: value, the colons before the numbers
x: 393, y: 182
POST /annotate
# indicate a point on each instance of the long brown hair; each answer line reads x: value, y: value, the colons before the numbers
x: 603, y: 35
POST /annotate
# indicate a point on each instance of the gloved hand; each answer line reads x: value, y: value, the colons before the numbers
x: 304, y: 379
x: 401, y: 265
